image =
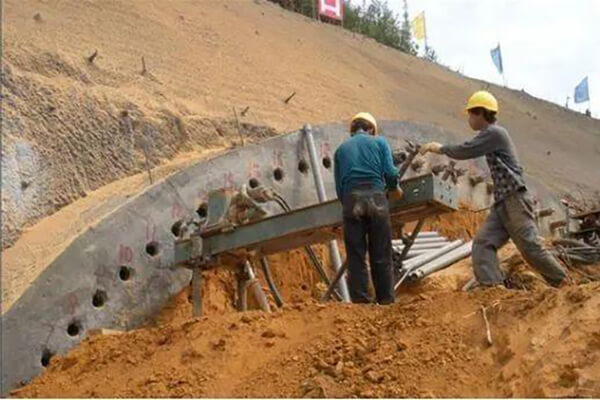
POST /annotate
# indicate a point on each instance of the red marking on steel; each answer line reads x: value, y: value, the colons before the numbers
x: 228, y: 182
x: 70, y: 303
x: 176, y: 211
x: 125, y: 255
x: 325, y: 149
x: 277, y: 158
x: 150, y: 231
x: 253, y: 169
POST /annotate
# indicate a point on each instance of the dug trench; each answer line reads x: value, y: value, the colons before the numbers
x: 431, y: 343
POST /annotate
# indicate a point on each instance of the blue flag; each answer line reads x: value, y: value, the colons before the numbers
x: 497, y: 58
x: 582, y: 92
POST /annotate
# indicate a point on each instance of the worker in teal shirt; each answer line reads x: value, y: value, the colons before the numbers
x: 364, y: 168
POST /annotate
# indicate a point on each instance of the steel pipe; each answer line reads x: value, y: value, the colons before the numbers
x: 470, y: 284
x: 431, y: 240
x: 424, y: 251
x: 272, y: 287
x: 429, y: 234
x: 256, y: 288
x: 428, y: 256
x: 335, y: 281
x: 416, y: 253
x: 424, y: 258
x: 334, y: 252
x: 426, y: 246
x: 426, y: 240
x: 442, y: 262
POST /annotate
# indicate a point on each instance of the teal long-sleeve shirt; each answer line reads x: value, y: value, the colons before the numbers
x: 364, y: 158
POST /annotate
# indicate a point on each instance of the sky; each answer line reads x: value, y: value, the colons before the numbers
x: 548, y: 46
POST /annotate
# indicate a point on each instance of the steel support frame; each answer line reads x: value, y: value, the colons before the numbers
x: 423, y: 196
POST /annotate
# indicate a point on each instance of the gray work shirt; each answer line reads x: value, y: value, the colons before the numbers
x: 495, y: 144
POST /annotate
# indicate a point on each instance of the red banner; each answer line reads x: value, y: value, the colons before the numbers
x: 333, y: 9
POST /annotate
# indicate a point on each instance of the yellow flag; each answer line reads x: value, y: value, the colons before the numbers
x: 418, y: 26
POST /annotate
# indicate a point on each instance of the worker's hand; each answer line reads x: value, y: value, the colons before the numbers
x: 395, y: 194
x: 432, y: 147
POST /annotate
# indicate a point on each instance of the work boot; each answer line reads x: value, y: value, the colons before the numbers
x: 568, y: 281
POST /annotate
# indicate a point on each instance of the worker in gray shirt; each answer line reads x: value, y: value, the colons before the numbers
x: 512, y: 215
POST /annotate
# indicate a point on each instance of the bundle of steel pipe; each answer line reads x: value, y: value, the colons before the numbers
x: 424, y: 257
x: 441, y: 262
x: 428, y: 256
x: 428, y: 240
x: 419, y: 239
x: 574, y: 252
x: 418, y: 246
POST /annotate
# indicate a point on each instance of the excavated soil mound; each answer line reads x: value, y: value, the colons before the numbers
x: 545, y: 343
x: 431, y: 343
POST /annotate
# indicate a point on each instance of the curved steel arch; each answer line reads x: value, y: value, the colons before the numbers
x: 111, y: 258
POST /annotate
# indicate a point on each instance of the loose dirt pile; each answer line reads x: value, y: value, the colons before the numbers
x: 432, y: 342
x: 545, y: 343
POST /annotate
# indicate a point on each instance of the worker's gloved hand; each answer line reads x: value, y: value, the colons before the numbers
x: 433, y: 147
x: 395, y: 194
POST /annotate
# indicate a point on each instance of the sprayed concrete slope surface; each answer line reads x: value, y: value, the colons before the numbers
x: 64, y: 135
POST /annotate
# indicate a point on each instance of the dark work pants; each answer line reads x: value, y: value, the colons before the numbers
x: 512, y: 218
x: 367, y: 227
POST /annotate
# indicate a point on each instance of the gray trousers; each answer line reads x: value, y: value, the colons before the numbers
x: 512, y: 218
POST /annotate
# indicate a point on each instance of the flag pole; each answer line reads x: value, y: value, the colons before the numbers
x: 502, y: 62
x: 425, y: 30
x: 589, y: 97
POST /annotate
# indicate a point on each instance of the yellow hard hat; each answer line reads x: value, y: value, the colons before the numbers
x: 482, y: 99
x: 365, y: 116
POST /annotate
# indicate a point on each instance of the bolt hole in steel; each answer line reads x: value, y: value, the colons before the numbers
x: 125, y: 273
x: 176, y: 228
x: 202, y: 210
x: 73, y: 328
x: 46, y: 357
x: 152, y: 249
x: 278, y: 174
x: 99, y: 298
x: 253, y: 183
x: 303, y: 166
x: 326, y: 162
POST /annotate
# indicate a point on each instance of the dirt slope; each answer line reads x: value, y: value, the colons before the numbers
x: 64, y: 135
